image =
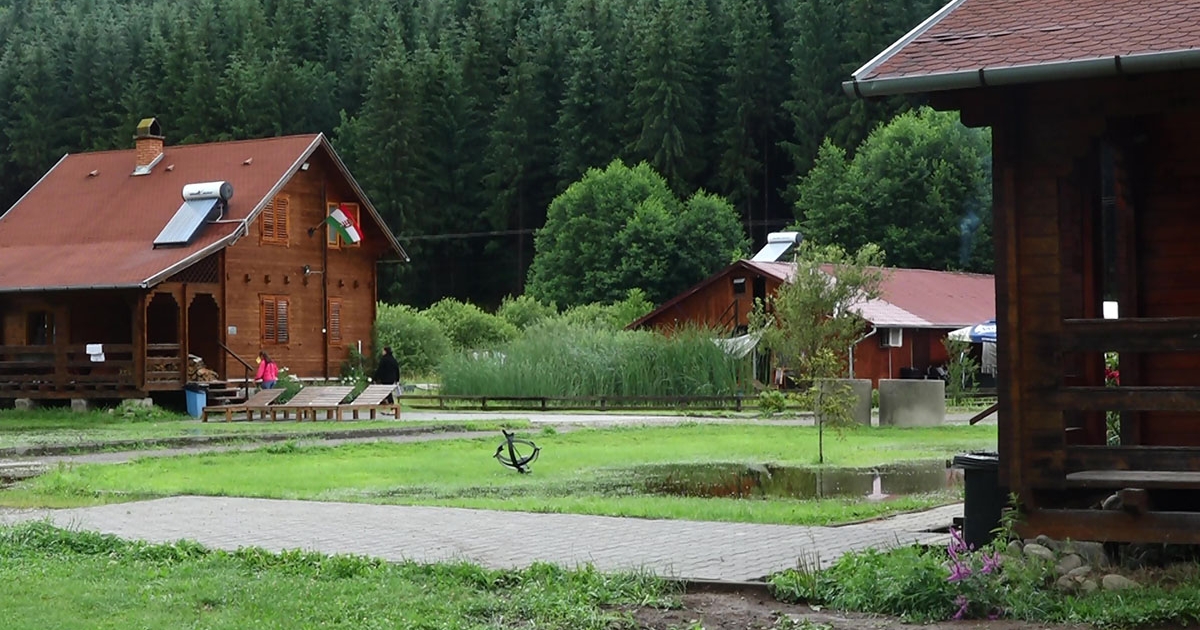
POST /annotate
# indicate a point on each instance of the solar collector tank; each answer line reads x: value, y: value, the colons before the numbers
x: 208, y: 190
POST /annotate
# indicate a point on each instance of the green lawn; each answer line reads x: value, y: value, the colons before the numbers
x: 45, y: 427
x: 584, y: 471
x: 50, y: 578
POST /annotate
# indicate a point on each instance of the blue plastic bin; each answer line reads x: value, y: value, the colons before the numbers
x: 197, y: 398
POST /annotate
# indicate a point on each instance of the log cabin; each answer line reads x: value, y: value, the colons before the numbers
x: 118, y: 265
x: 904, y: 329
x: 1094, y: 108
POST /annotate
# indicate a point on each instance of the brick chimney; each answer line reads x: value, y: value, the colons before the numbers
x: 149, y: 144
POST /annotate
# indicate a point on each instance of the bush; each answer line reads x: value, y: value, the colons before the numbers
x: 468, y: 327
x: 962, y: 370
x: 561, y: 358
x: 417, y: 341
x: 772, y: 401
x: 524, y: 311
x: 615, y: 316
x: 908, y: 582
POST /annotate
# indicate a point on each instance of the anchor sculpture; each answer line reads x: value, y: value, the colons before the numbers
x: 509, y: 456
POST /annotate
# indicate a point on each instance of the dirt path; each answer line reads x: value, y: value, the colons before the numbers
x: 757, y: 610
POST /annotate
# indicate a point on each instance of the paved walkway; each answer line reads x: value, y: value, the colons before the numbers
x: 683, y: 549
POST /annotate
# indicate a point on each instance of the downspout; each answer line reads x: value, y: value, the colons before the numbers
x: 324, y: 284
x: 855, y: 345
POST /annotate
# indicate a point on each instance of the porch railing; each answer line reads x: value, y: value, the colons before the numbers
x: 47, y: 371
x: 246, y: 380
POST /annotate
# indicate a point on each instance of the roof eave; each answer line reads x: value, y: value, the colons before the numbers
x: 908, y: 37
x: 35, y: 185
x: 911, y: 326
x: 1099, y: 67
x: 690, y: 291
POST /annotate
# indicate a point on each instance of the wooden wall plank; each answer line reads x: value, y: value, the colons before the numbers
x: 253, y: 269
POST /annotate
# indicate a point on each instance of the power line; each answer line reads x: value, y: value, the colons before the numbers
x: 494, y: 233
x: 444, y: 237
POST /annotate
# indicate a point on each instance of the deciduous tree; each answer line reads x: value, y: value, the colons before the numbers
x: 622, y: 228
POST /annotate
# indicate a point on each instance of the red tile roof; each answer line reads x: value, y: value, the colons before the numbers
x: 919, y: 298
x: 89, y: 223
x: 970, y: 36
x: 910, y: 298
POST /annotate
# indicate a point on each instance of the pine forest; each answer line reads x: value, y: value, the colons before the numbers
x: 465, y: 119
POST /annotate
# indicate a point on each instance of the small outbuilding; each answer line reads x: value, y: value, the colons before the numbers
x: 905, y: 327
x: 1094, y: 107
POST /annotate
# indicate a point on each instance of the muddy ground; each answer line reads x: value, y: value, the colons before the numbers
x: 751, y: 611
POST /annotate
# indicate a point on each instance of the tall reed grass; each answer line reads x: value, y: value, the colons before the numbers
x: 558, y: 358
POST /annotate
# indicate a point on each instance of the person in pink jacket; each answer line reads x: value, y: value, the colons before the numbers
x: 268, y: 371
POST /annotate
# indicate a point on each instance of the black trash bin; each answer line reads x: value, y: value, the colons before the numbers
x: 984, y: 496
x: 911, y: 373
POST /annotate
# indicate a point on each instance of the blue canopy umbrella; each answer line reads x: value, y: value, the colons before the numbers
x: 984, y: 332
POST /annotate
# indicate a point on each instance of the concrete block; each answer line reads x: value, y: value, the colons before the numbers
x: 139, y: 402
x: 81, y: 405
x: 24, y: 404
x: 912, y: 403
x: 860, y: 388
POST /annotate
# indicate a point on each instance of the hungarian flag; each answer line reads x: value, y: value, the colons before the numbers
x: 341, y: 222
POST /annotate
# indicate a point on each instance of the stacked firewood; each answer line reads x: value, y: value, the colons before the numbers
x: 197, y: 372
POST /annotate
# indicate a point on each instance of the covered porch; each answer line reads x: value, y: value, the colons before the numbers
x: 107, y: 343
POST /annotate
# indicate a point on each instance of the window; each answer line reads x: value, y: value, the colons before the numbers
x: 891, y: 337
x: 274, y: 316
x: 335, y: 321
x: 39, y: 328
x: 275, y: 221
x: 335, y: 240
x: 739, y: 286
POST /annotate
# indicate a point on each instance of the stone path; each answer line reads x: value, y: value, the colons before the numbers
x: 682, y: 549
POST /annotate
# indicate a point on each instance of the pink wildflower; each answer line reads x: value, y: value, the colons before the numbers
x: 962, y: 603
x: 991, y: 562
x: 958, y: 572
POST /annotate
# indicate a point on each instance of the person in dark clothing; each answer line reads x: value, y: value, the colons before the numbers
x: 388, y: 372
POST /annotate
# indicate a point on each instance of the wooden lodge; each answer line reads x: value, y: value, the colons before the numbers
x: 1094, y: 107
x: 118, y: 265
x: 905, y: 327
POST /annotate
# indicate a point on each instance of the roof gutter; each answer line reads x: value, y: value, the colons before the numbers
x: 1117, y: 65
x: 94, y: 287
x: 874, y: 329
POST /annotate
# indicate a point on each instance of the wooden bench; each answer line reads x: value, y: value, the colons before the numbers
x: 310, y: 399
x: 371, y: 400
x: 257, y: 402
x: 1143, y: 479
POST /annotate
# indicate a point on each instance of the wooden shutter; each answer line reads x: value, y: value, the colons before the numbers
x: 281, y: 325
x: 283, y: 207
x: 335, y: 321
x: 274, y: 320
x: 275, y: 223
x: 267, y: 320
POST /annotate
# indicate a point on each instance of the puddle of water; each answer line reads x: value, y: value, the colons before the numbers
x: 740, y: 481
